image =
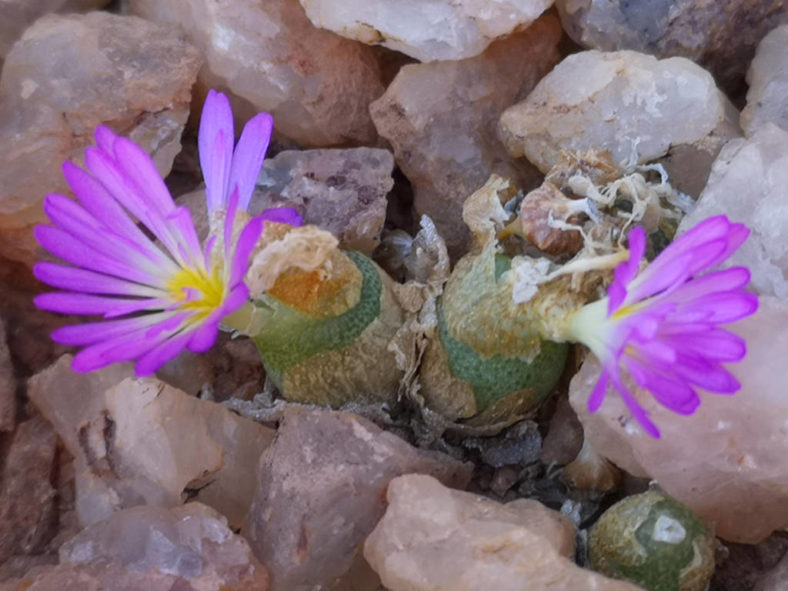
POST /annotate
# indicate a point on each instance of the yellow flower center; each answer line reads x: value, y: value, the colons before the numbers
x: 197, y: 291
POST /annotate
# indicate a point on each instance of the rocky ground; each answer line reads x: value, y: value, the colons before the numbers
x: 386, y: 110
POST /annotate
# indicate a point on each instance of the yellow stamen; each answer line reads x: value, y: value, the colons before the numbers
x: 197, y: 291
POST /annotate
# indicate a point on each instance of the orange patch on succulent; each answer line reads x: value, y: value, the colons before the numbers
x: 308, y: 292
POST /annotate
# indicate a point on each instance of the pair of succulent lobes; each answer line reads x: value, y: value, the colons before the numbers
x: 328, y: 323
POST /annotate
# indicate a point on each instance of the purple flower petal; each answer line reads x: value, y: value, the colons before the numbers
x: 80, y: 335
x: 140, y: 170
x: 156, y: 299
x: 74, y: 220
x: 215, y: 141
x: 127, y: 348
x: 282, y: 215
x: 249, y: 155
x: 86, y: 305
x: 717, y: 308
x: 100, y: 204
x: 669, y: 391
x: 246, y: 243
x: 626, y: 271
x: 715, y: 344
x: 180, y: 220
x: 204, y: 337
x: 662, y: 326
x: 728, y: 280
x: 160, y: 354
x: 229, y: 224
x: 598, y: 394
x: 77, y: 253
x: 638, y: 412
x: 105, y: 139
x: 709, y: 376
x: 124, y: 190
x: 82, y: 280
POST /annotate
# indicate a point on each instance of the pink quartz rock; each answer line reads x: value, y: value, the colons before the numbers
x: 64, y: 77
x: 427, y: 30
x: 154, y: 549
x: 433, y: 538
x: 727, y: 461
x: 20, y: 14
x: 142, y: 441
x: 441, y: 119
x: 320, y: 492
x: 269, y: 57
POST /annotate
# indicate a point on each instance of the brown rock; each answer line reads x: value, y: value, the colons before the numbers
x: 27, y: 329
x: 27, y: 498
x: 321, y: 490
x: 154, y: 549
x: 436, y: 539
x: 564, y: 437
x: 590, y: 471
x: 64, y: 77
x: 269, y: 57
x: 537, y: 209
x: 190, y: 372
x: 441, y: 118
x: 7, y: 385
x: 742, y: 567
x: 776, y: 580
x: 20, y: 14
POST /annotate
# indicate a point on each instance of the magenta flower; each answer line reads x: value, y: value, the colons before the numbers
x: 662, y: 325
x: 157, y: 297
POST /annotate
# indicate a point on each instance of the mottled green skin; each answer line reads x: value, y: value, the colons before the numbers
x: 290, y: 337
x: 494, y: 378
x: 622, y: 544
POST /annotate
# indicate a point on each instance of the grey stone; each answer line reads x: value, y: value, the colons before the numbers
x: 342, y: 191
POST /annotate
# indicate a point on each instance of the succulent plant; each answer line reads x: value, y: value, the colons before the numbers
x: 654, y: 541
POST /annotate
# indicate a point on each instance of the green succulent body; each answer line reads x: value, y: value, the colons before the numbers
x: 489, y: 363
x: 332, y: 360
x: 655, y: 542
x: 494, y: 378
